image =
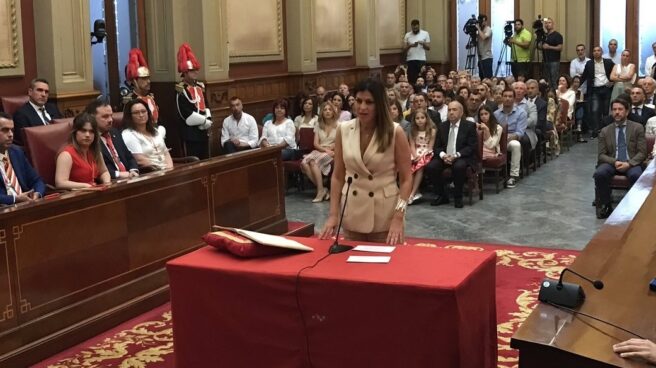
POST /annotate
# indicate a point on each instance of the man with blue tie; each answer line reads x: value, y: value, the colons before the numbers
x: 20, y: 183
x: 622, y: 150
x: 37, y: 111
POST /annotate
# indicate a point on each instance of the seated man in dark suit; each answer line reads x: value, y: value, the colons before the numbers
x: 37, y: 111
x: 622, y: 150
x: 421, y: 103
x: 639, y: 112
x: 20, y: 183
x: 456, y: 147
x: 118, y: 159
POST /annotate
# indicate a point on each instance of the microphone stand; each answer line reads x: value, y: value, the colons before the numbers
x: 336, y: 247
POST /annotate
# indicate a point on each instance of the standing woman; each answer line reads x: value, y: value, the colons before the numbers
x: 280, y: 131
x: 623, y: 74
x: 317, y: 163
x: 143, y: 139
x: 371, y: 150
x: 80, y: 163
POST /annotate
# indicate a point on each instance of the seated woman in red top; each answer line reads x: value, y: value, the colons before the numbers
x: 80, y: 164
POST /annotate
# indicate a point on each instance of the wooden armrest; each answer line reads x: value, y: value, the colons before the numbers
x: 146, y: 169
x: 185, y: 160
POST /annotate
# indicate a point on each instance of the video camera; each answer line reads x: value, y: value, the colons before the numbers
x: 470, y: 27
x: 538, y: 29
x: 508, y: 31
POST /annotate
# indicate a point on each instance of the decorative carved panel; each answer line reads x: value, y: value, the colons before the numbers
x: 255, y: 30
x: 11, y: 42
x: 334, y: 28
x: 391, y: 24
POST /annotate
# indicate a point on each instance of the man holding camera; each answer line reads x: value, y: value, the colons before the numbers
x: 520, y: 44
x: 416, y: 44
x: 484, y: 47
x: 551, y: 47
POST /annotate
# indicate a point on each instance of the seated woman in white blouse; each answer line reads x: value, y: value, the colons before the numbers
x: 143, y: 139
x: 280, y: 131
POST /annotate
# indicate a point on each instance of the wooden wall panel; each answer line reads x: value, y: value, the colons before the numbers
x: 12, y: 61
x: 89, y: 260
x: 391, y: 25
x: 17, y: 85
x: 263, y: 38
x: 334, y: 28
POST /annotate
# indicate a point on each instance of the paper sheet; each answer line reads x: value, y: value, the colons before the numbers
x: 375, y: 248
x: 368, y: 259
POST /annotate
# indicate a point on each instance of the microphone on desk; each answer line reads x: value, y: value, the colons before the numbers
x: 564, y: 293
x: 336, y: 247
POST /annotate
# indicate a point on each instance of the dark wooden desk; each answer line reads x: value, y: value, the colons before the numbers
x: 623, y: 255
x: 75, y: 266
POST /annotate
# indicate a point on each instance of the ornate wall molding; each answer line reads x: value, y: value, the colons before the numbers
x: 255, y: 30
x: 334, y: 28
x: 11, y: 39
x: 391, y: 25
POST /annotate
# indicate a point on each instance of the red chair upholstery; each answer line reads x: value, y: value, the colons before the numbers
x: 499, y: 164
x: 10, y: 104
x: 43, y: 143
x: 305, y: 145
x: 117, y: 120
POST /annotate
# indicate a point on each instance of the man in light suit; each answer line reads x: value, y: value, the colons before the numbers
x: 456, y: 147
x: 20, y: 183
x: 622, y: 150
x: 118, y: 159
x: 36, y: 111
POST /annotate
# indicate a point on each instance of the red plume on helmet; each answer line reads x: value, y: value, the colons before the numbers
x: 186, y: 59
x: 136, y: 66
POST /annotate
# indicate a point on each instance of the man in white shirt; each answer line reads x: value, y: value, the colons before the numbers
x: 649, y: 63
x: 577, y: 65
x: 612, y: 52
x: 416, y: 43
x: 239, y: 130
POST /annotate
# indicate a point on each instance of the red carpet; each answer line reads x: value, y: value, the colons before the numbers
x: 147, y: 341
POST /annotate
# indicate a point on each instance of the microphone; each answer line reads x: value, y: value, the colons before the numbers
x: 564, y: 293
x: 336, y: 247
x: 598, y: 284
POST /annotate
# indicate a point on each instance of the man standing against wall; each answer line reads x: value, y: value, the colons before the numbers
x: 551, y: 47
x: 484, y: 47
x: 416, y: 43
x: 520, y: 44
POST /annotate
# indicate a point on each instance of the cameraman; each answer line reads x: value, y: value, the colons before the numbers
x: 484, y: 47
x: 520, y: 44
x: 551, y: 47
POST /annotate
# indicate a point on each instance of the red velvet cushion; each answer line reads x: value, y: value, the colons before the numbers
x: 229, y: 242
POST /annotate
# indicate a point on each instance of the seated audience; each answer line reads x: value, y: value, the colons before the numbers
x: 516, y: 119
x: 422, y: 139
x: 492, y: 131
x: 438, y: 103
x: 390, y: 80
x: 308, y: 119
x: 143, y: 139
x: 80, y: 164
x: 396, y: 114
x: 564, y: 92
x: 36, y: 111
x: 280, y: 131
x: 20, y: 183
x: 239, y: 131
x: 392, y: 95
x: 622, y: 150
x: 350, y: 99
x: 456, y: 147
x: 464, y: 92
x: 317, y: 163
x: 344, y: 90
x: 119, y: 161
x: 638, y: 111
x: 341, y: 106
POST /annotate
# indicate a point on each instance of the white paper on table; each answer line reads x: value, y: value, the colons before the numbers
x: 368, y: 259
x: 375, y: 248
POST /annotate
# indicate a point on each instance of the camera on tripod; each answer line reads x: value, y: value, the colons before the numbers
x: 508, y: 31
x: 470, y: 27
x: 538, y: 29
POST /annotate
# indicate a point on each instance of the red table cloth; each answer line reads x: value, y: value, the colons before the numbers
x: 428, y: 307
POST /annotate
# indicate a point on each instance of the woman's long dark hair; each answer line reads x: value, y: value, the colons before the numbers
x: 78, y: 124
x: 492, y: 122
x: 128, y: 120
x: 383, y: 121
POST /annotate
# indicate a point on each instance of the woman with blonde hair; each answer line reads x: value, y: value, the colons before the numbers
x: 317, y: 163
